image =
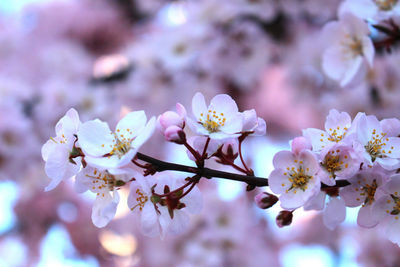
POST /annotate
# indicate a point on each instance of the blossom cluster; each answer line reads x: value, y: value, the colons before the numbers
x: 363, y: 27
x: 102, y: 161
x: 347, y: 164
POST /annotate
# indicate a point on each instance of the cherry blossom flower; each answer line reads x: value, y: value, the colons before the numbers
x: 199, y: 142
x: 363, y: 191
x: 295, y: 178
x: 105, y: 185
x: 157, y: 217
x: 350, y: 50
x: 376, y: 145
x: 337, y: 129
x: 377, y: 10
x: 387, y: 209
x: 105, y: 149
x: 57, y: 151
x: 253, y: 124
x: 220, y: 120
x: 338, y: 162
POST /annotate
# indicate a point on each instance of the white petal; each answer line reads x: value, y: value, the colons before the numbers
x: 198, y: 105
x: 104, y: 209
x: 96, y: 138
x: 180, y: 222
x: 366, y: 217
x: 368, y: 50
x: 223, y: 103
x: 145, y: 134
x: 278, y: 182
x: 193, y: 201
x: 335, y: 213
x: 131, y: 125
x: 317, y: 202
x: 149, y: 221
x: 315, y: 136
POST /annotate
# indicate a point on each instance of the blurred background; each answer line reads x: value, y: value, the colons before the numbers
x: 105, y: 57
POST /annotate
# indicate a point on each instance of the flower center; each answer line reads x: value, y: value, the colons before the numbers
x: 212, y: 121
x: 298, y: 178
x: 102, y: 180
x: 369, y: 192
x: 385, y: 5
x: 374, y: 146
x: 335, y: 136
x: 141, y: 199
x: 121, y: 145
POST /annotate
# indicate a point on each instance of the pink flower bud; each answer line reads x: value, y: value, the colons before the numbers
x: 265, y: 200
x: 230, y: 149
x: 299, y: 144
x: 175, y: 134
x: 284, y: 218
x: 170, y: 118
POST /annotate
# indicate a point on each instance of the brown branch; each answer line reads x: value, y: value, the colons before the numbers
x: 160, y: 166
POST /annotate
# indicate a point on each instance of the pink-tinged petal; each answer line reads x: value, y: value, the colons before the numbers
x: 104, y: 209
x: 365, y: 124
x: 127, y: 157
x: 58, y: 167
x: 368, y: 49
x: 333, y: 63
x: 366, y: 217
x: 69, y: 124
x: 193, y: 201
x: 388, y: 163
x: 165, y: 221
x: 382, y: 207
x: 315, y: 136
x: 198, y: 105
x: 317, y: 202
x: 393, y: 185
x: 224, y: 104
x: 337, y: 119
x: 293, y: 200
x: 180, y: 222
x: 249, y: 120
x: 353, y: 70
x: 261, y: 128
x: 392, y: 147
x: 220, y: 136
x: 196, y: 127
x: 326, y: 177
x: 392, y: 232
x: 103, y: 163
x: 334, y: 213
x: 131, y: 125
x: 149, y: 221
x: 391, y: 126
x: 351, y: 195
x: 364, y: 9
x: 299, y: 144
x: 95, y: 138
x: 181, y: 110
x: 285, y: 159
x: 233, y: 125
x: 310, y: 162
x: 83, y: 182
x: 47, y: 148
x: 278, y: 182
x: 145, y: 134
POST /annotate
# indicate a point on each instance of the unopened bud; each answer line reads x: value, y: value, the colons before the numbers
x: 175, y: 134
x: 284, y: 218
x: 230, y: 149
x: 265, y: 200
x: 169, y: 118
x: 299, y: 144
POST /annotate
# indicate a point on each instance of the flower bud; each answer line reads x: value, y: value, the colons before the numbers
x: 284, y: 218
x: 230, y: 149
x: 299, y: 144
x: 169, y: 118
x: 175, y: 134
x: 265, y: 200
